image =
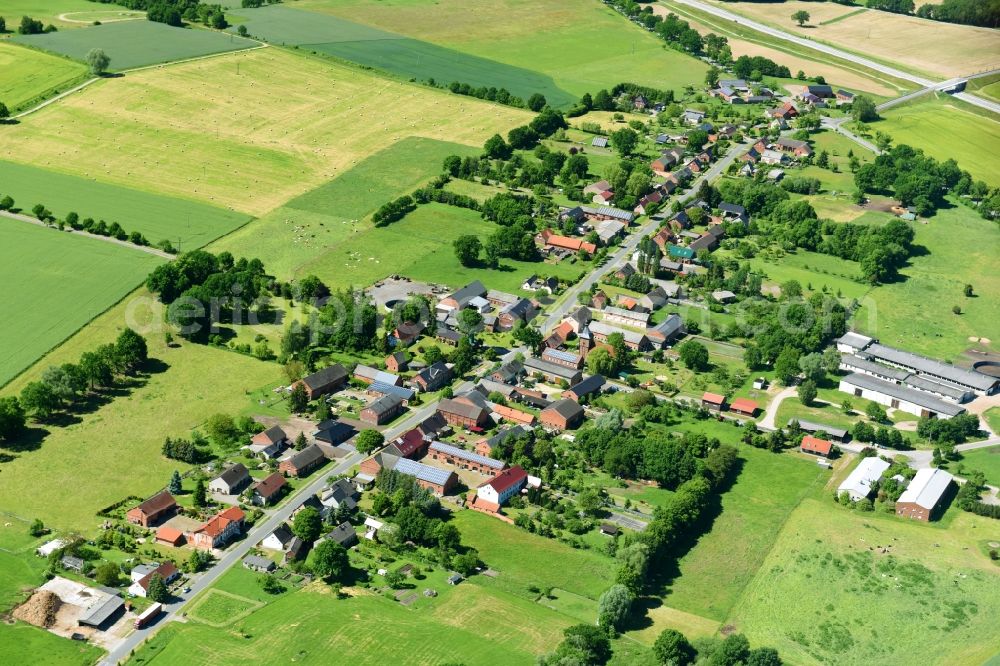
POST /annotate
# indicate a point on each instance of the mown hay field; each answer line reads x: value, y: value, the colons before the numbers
x: 187, y: 224
x: 132, y: 44
x: 582, y: 46
x: 27, y: 75
x: 53, y: 287
x: 247, y: 131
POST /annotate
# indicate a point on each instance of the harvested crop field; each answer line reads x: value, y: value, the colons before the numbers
x: 137, y: 43
x: 942, y: 49
x: 283, y: 124
x: 842, y: 75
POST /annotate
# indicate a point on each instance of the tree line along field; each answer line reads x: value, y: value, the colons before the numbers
x: 246, y: 131
x: 948, y: 128
x: 394, y: 53
x: 944, y: 50
x: 187, y: 224
x: 555, y: 39
x: 54, y: 287
x: 132, y: 44
x: 96, y: 456
x: 27, y: 75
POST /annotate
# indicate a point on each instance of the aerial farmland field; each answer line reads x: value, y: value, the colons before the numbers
x: 185, y: 223
x: 930, y: 583
x: 27, y: 75
x: 58, y: 270
x: 282, y: 124
x: 549, y: 37
x: 137, y: 43
x: 947, y: 128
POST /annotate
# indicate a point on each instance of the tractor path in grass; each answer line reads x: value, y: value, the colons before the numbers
x: 107, y: 239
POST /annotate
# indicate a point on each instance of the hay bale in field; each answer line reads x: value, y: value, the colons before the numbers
x: 40, y: 610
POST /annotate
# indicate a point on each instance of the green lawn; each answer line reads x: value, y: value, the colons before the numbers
x: 915, y: 313
x: 496, y: 43
x: 992, y: 416
x: 947, y: 128
x: 814, y: 271
x: 826, y: 593
x: 47, y: 11
x: 189, y: 224
x: 219, y: 608
x: 985, y: 460
x: 715, y: 572
x: 137, y: 43
x: 96, y: 457
x: 525, y: 559
x: 27, y: 76
x: 54, y: 287
x: 468, y: 623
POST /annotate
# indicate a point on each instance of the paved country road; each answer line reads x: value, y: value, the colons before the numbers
x: 569, y: 299
x: 923, y: 82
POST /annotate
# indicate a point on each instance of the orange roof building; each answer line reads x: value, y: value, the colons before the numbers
x: 168, y: 536
x: 744, y: 406
x: 514, y: 415
x: 713, y: 400
x: 816, y: 446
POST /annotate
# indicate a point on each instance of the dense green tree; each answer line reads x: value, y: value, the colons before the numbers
x: 157, y: 590
x: 328, y: 560
x: 467, y: 249
x: 12, y: 418
x: 614, y: 606
x: 307, y: 524
x: 807, y: 392
x: 97, y: 60
x: 624, y: 141
x: 673, y: 649
x: 107, y: 574
x: 174, y: 487
x: 39, y: 400
x: 298, y: 399
x: 368, y: 440
x: 693, y: 355
x: 801, y: 17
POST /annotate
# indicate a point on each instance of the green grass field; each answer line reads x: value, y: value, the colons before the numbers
x: 813, y: 271
x: 187, y: 224
x: 28, y: 76
x: 394, y: 53
x: 715, y: 571
x: 947, y: 128
x: 219, y: 608
x: 468, y: 623
x: 548, y: 38
x: 137, y: 43
x: 54, y: 288
x: 97, y: 456
x: 992, y: 416
x: 916, y: 313
x: 985, y: 460
x: 525, y: 559
x: 827, y: 594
